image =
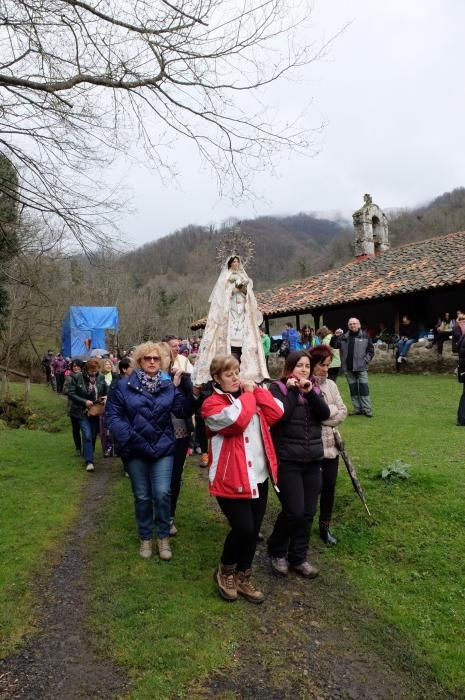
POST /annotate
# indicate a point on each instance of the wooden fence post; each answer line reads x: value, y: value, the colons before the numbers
x: 4, y: 387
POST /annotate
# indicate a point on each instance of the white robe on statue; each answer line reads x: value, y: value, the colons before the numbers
x: 233, y: 321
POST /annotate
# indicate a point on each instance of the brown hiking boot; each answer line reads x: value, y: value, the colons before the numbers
x: 225, y: 579
x: 203, y: 460
x: 164, y: 549
x: 145, y: 549
x: 246, y: 588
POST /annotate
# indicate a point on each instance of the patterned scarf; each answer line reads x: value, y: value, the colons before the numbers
x: 150, y: 384
x: 91, y: 387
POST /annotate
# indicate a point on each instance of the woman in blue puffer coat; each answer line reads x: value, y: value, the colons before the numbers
x: 138, y: 414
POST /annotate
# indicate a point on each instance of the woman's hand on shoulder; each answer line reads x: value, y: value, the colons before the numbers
x: 292, y: 382
x: 177, y: 376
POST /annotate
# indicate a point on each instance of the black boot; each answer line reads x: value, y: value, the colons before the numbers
x: 325, y: 534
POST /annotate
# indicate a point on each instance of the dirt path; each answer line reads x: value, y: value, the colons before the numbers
x: 312, y: 640
x: 60, y: 661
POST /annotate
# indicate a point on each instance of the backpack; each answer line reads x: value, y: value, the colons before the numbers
x: 284, y: 390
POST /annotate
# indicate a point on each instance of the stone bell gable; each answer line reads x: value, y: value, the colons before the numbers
x: 371, y: 229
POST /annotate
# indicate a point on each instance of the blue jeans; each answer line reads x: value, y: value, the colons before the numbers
x: 404, y: 346
x: 359, y: 391
x: 89, y: 429
x: 151, y: 482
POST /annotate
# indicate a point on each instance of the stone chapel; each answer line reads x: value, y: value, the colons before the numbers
x: 371, y: 229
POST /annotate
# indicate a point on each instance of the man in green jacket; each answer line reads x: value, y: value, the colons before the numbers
x: 266, y: 342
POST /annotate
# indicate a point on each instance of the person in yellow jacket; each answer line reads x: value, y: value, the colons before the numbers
x: 326, y: 337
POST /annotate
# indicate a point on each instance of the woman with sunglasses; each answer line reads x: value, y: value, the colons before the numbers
x: 299, y: 448
x: 138, y: 413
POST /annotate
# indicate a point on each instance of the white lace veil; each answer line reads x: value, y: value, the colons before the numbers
x: 216, y: 338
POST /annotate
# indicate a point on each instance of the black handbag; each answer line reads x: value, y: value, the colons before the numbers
x: 461, y: 371
x: 284, y: 349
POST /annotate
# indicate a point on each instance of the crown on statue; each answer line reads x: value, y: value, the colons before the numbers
x: 235, y: 242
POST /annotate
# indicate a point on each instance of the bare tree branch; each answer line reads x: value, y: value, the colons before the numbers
x: 81, y: 80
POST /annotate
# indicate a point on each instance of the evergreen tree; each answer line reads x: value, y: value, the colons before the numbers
x: 9, y: 243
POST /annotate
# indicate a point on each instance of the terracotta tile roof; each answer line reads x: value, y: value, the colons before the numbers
x: 436, y: 262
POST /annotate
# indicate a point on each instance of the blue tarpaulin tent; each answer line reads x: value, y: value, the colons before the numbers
x: 84, y: 327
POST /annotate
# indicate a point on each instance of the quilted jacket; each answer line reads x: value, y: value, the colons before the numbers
x: 297, y: 436
x: 140, y: 422
x: 231, y: 429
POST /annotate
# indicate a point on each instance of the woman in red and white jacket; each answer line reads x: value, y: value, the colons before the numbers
x: 238, y: 416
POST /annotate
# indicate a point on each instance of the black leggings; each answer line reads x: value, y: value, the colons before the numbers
x: 60, y: 378
x: 201, y: 434
x: 76, y: 427
x: 328, y: 488
x: 299, y: 487
x: 461, y: 409
x: 180, y: 454
x: 441, y: 337
x: 245, y: 517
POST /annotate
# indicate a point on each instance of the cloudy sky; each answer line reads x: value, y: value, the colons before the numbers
x: 390, y: 94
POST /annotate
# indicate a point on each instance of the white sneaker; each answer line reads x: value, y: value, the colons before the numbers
x: 399, y: 359
x: 89, y: 467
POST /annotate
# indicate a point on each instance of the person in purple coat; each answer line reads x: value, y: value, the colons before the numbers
x: 59, y: 368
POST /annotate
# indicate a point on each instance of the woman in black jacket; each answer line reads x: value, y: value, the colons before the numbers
x: 86, y: 390
x: 299, y: 448
x: 458, y: 346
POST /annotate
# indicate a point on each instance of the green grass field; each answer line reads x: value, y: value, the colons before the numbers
x: 408, y: 568
x: 165, y: 623
x: 39, y: 497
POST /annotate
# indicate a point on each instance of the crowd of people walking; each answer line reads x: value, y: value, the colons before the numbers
x: 250, y: 434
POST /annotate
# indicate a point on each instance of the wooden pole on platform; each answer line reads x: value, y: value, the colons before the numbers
x: 4, y: 392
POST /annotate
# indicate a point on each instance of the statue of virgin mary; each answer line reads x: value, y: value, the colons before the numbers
x: 232, y: 325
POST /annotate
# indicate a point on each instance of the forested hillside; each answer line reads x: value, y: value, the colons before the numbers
x: 287, y: 247
x: 163, y: 286
x: 303, y: 244
x: 445, y: 214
